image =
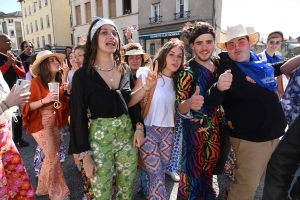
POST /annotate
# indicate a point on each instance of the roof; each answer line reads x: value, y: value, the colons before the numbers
x: 292, y: 46
x: 12, y: 14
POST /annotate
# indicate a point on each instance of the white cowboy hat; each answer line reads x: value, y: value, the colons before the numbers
x: 135, y: 49
x: 41, y: 56
x: 239, y: 31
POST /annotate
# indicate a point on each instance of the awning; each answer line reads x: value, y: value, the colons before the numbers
x: 160, y: 34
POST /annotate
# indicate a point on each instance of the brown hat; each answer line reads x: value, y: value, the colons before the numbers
x: 135, y: 49
x: 239, y: 31
x: 41, y: 56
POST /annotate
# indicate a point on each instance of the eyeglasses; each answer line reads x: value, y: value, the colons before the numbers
x: 273, y: 42
x: 232, y: 45
x: 134, y: 58
x: 28, y: 47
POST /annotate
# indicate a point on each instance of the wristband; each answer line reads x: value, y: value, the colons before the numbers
x: 7, y: 106
x: 141, y: 129
x: 42, y: 102
x: 144, y: 88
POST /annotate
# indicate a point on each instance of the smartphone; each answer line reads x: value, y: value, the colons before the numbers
x: 20, y: 83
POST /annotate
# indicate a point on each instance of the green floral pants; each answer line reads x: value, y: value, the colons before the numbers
x: 111, y: 141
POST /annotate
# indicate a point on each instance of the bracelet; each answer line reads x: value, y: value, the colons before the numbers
x: 141, y: 129
x: 83, y: 154
x: 145, y: 89
x: 42, y: 102
x: 7, y: 106
x: 139, y: 124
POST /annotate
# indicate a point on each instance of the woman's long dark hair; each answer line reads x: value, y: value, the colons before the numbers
x: 162, y: 54
x: 91, y: 48
x: 46, y: 75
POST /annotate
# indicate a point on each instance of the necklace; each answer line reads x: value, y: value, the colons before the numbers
x: 104, y: 69
x: 111, y: 77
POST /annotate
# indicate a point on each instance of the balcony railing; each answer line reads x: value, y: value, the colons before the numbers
x: 155, y: 19
x: 180, y: 15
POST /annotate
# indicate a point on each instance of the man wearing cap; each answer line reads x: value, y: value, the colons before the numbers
x: 12, y: 68
x: 247, y: 90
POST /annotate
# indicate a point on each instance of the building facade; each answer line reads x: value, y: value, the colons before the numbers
x: 11, y: 24
x: 47, y: 22
x: 124, y: 13
x: 160, y: 20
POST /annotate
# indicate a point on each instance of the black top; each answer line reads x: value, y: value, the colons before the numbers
x: 255, y: 112
x: 10, y: 76
x: 91, y: 91
x: 26, y: 61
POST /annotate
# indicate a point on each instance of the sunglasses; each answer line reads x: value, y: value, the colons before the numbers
x: 232, y: 45
x: 273, y: 42
x: 28, y: 47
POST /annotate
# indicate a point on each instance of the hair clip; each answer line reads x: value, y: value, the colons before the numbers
x: 177, y: 41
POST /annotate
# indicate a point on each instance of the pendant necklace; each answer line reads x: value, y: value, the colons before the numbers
x: 104, y: 69
x: 111, y: 77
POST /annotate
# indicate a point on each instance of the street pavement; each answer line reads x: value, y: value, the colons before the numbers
x: 75, y: 182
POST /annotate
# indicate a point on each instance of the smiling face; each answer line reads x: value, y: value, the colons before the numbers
x: 274, y: 44
x: 135, y: 61
x: 203, y: 47
x: 239, y: 49
x: 173, y: 61
x: 107, y: 39
x: 79, y: 57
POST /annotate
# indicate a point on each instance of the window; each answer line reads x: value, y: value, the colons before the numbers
x: 181, y: 6
x: 34, y: 6
x: 36, y: 26
x: 155, y: 13
x: 47, y: 21
x: 40, y: 4
x: 112, y: 8
x: 42, y: 24
x: 38, y: 42
x: 126, y: 7
x: 32, y: 41
x: 182, y: 9
x: 99, y: 8
x: 27, y: 30
x: 25, y: 11
x: 78, y: 15
x: 31, y: 27
x: 88, y: 12
x: 49, y: 39
x: 29, y: 10
x: 43, y: 41
x: 46, y: 2
x: 12, y: 33
x: 10, y: 21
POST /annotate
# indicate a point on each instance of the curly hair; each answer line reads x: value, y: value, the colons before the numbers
x: 191, y: 31
x: 91, y: 47
x: 162, y: 54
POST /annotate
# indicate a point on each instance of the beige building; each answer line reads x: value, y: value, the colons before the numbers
x: 11, y: 24
x: 160, y: 20
x: 47, y: 22
x: 123, y: 12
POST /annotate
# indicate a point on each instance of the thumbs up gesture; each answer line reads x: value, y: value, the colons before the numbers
x: 196, y: 101
x: 224, y: 81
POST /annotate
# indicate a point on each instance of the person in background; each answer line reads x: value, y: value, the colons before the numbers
x: 103, y: 86
x: 45, y: 114
x: 12, y: 69
x: 68, y: 51
x: 27, y: 51
x: 14, y: 180
x: 271, y: 55
x: 48, y: 47
x: 29, y: 76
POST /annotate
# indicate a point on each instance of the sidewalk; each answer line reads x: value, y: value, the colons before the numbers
x: 75, y: 183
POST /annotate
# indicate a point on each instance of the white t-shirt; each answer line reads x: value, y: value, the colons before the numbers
x: 161, y: 111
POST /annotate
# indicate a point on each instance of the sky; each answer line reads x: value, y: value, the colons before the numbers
x: 264, y: 15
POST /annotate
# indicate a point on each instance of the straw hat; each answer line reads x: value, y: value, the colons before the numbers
x: 136, y: 49
x: 239, y: 31
x: 41, y: 56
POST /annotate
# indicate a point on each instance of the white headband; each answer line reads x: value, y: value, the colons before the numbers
x: 100, y: 22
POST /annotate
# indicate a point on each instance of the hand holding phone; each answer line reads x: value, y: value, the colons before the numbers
x: 20, y: 83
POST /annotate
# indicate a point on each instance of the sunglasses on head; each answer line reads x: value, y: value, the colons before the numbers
x: 28, y: 47
x: 273, y: 42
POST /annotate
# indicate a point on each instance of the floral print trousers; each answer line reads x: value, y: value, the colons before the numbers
x: 111, y: 141
x: 14, y: 180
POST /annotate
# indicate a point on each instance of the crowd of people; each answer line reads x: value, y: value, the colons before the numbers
x: 130, y: 115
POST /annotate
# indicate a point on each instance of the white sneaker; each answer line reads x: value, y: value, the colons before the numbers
x: 173, y: 175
